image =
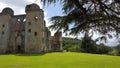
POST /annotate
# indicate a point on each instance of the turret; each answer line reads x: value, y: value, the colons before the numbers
x: 8, y: 11
x: 5, y: 19
x: 34, y: 29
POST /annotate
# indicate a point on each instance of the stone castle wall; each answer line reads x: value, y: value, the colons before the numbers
x: 27, y: 33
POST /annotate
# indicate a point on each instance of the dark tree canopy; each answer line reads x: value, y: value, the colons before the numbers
x: 101, y: 16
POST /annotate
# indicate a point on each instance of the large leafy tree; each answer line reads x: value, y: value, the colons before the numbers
x: 101, y: 16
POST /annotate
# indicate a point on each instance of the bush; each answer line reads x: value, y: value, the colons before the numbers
x: 74, y: 48
x: 102, y: 49
x: 114, y: 52
x: 118, y: 49
x: 71, y: 44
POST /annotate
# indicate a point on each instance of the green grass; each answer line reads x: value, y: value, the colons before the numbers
x: 59, y: 60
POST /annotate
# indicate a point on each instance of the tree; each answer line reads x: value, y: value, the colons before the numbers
x: 101, y: 16
x: 118, y: 49
x: 71, y: 44
x: 88, y: 45
x: 102, y: 49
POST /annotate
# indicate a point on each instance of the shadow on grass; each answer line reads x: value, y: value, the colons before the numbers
x: 25, y: 54
x: 30, y: 54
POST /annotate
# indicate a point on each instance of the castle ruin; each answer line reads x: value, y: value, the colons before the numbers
x: 27, y: 33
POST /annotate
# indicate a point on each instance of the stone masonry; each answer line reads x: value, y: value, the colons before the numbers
x: 27, y: 33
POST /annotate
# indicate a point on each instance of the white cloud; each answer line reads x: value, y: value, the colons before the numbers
x: 3, y: 6
x: 17, y: 5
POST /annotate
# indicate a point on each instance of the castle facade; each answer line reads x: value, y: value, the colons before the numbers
x: 27, y: 33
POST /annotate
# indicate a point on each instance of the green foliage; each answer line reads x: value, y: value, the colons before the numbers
x: 113, y: 52
x: 101, y: 16
x: 88, y: 45
x: 74, y: 48
x: 59, y: 60
x: 71, y: 44
x: 97, y: 15
x: 102, y: 49
x: 118, y: 49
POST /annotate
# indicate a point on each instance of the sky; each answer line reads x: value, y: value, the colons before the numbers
x: 52, y: 10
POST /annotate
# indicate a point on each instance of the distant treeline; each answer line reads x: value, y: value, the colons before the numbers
x: 87, y: 45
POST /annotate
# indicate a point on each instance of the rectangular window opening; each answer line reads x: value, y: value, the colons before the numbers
x: 35, y: 33
x: 3, y: 25
x: 29, y: 30
x: 29, y: 23
x: 2, y: 32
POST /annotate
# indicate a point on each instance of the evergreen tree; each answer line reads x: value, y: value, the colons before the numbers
x: 101, y: 16
x: 88, y: 45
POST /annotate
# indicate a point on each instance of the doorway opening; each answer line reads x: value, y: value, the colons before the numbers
x: 19, y: 49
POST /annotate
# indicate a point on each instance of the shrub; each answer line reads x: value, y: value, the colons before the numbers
x: 114, y: 52
x: 102, y: 49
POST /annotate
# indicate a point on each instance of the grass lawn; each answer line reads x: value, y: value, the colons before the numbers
x: 59, y: 60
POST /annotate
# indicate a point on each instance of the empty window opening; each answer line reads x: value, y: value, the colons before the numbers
x: 18, y: 20
x: 35, y: 33
x: 29, y: 30
x: 19, y: 48
x: 3, y: 25
x: 44, y: 23
x: 29, y: 23
x: 36, y: 18
x: 2, y: 32
x: 24, y: 20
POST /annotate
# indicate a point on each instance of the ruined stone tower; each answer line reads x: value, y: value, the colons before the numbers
x: 34, y: 29
x: 26, y: 33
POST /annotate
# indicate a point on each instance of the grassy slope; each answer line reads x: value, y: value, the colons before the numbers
x: 59, y: 60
